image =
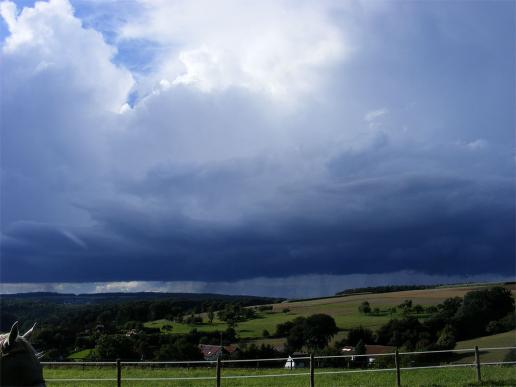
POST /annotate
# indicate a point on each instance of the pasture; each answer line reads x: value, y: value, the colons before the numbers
x: 80, y: 354
x: 344, y: 309
x: 500, y: 340
x: 457, y: 377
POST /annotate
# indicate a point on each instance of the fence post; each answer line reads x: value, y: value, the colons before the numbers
x: 312, y: 366
x: 118, y: 373
x: 218, y: 371
x: 397, y: 363
x: 477, y: 363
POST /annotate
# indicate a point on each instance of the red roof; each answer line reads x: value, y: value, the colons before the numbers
x: 373, y: 349
x: 370, y: 349
x: 209, y: 351
x: 231, y: 348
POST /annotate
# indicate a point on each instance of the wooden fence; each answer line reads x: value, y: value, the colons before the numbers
x: 218, y: 366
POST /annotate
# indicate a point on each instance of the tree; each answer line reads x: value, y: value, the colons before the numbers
x: 211, y: 315
x: 407, y: 332
x: 314, y: 331
x: 360, y: 348
x: 232, y: 323
x: 418, y: 309
x: 229, y: 335
x: 431, y: 309
x: 480, y: 307
x: 406, y: 307
x: 507, y: 323
x: 182, y: 349
x: 406, y: 304
x: 296, y: 337
x: 283, y: 329
x: 319, y: 329
x: 158, y: 310
x: 111, y: 347
x: 364, y: 307
x: 447, y: 338
x: 449, y: 307
x: 360, y: 334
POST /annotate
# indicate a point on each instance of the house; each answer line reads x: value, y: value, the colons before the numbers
x: 379, y: 349
x: 213, y: 352
x: 131, y: 332
x: 373, y: 350
x: 370, y: 350
x: 100, y: 328
x: 290, y: 363
x: 232, y: 350
x: 294, y: 362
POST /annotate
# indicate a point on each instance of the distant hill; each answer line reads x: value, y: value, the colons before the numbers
x: 52, y: 308
x: 100, y: 298
x: 385, y: 289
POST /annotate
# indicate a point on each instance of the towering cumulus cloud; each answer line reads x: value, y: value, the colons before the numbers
x: 229, y: 141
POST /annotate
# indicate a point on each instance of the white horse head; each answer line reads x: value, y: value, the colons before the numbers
x: 19, y: 363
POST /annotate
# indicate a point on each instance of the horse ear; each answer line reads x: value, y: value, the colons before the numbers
x: 28, y: 334
x: 13, y: 335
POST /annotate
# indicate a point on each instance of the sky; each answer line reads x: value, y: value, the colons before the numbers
x: 286, y: 148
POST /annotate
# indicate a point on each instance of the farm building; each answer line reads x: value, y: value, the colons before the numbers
x: 213, y: 352
x: 371, y: 350
x: 293, y: 362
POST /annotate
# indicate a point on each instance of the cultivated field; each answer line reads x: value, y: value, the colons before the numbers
x: 492, y: 376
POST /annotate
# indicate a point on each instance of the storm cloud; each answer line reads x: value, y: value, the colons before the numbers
x: 245, y: 145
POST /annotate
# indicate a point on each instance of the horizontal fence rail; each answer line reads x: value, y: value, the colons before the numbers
x: 218, y: 377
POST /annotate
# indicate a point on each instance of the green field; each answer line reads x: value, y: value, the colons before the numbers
x: 506, y: 339
x: 178, y: 328
x: 499, y: 340
x: 492, y: 376
x: 81, y: 354
x: 343, y: 309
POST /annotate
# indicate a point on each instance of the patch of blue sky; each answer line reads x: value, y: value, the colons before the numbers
x: 137, y: 55
x: 4, y: 31
x: 104, y: 17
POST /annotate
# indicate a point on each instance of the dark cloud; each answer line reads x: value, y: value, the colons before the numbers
x: 429, y: 224
x: 402, y: 162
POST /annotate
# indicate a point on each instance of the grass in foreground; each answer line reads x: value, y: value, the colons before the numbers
x: 451, y: 377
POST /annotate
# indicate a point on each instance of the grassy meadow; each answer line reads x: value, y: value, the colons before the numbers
x: 492, y: 376
x: 80, y: 355
x: 506, y: 339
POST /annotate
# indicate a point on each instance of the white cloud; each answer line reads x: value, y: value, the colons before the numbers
x: 276, y: 47
x: 373, y: 117
x: 48, y: 38
x: 477, y: 144
x: 74, y: 238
